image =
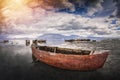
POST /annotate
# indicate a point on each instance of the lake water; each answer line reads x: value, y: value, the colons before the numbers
x: 16, y: 64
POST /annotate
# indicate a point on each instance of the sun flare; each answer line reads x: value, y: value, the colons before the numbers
x: 14, y: 4
x: 14, y: 9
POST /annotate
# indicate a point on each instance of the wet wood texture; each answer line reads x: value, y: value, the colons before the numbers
x: 71, y: 62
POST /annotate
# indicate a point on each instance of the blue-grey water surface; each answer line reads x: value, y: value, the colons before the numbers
x: 16, y: 64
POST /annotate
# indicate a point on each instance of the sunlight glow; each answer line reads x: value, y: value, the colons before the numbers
x: 14, y: 4
x: 14, y: 9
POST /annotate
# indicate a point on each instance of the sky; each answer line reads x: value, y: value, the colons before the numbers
x: 37, y: 18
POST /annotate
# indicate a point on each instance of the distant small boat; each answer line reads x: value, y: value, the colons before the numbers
x: 71, y: 59
x: 78, y: 40
x: 27, y: 42
x: 41, y: 41
x: 38, y: 41
x: 6, y: 41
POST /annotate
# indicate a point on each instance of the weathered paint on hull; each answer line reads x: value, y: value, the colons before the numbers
x: 71, y: 62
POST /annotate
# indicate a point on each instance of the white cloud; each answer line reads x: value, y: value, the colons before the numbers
x: 43, y: 22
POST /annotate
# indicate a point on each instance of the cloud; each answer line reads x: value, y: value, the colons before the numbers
x: 118, y: 7
x: 51, y: 4
x: 95, y: 6
x: 64, y: 24
x: 92, y: 6
x: 32, y: 23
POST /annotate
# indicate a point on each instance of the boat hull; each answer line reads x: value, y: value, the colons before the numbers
x: 71, y: 62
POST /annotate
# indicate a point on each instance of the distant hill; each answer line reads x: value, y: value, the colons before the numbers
x: 57, y: 36
x: 63, y: 37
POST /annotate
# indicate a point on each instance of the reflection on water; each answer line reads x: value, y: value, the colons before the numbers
x: 16, y: 64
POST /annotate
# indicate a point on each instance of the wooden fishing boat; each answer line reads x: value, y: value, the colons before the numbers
x: 71, y: 59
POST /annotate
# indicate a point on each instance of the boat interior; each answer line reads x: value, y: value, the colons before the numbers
x: 64, y: 50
